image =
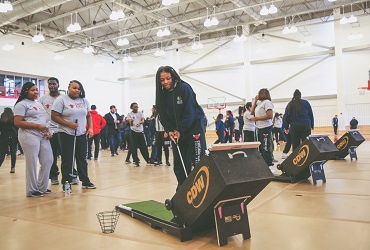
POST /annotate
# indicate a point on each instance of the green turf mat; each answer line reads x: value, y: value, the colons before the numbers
x: 153, y: 208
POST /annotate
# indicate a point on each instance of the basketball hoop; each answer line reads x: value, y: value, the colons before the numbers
x: 216, y: 103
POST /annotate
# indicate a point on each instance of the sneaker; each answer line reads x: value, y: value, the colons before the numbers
x: 54, y: 181
x: 112, y: 155
x: 274, y: 160
x: 20, y: 154
x: 127, y: 161
x: 74, y: 181
x: 69, y: 189
x: 278, y: 144
x: 272, y: 169
x: 89, y: 186
x: 148, y: 163
x: 116, y: 153
x: 137, y: 164
x: 48, y: 191
x: 88, y: 158
x: 36, y: 194
x: 284, y: 156
x: 168, y: 164
x: 158, y: 164
x: 95, y: 159
x: 12, y: 170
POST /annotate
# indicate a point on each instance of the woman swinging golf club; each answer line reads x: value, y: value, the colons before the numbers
x: 183, y: 118
x: 71, y: 112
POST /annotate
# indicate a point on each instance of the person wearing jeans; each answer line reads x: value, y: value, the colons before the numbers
x: 113, y: 120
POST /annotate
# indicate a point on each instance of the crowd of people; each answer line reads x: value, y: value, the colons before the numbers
x: 67, y: 126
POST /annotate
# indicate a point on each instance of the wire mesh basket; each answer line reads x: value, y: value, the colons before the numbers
x: 108, y: 221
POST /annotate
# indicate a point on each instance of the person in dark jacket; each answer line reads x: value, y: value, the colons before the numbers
x: 113, y: 120
x: 353, y: 123
x: 299, y: 116
x: 8, y: 137
x: 230, y: 124
x: 220, y: 129
x: 335, y: 124
x: 182, y: 117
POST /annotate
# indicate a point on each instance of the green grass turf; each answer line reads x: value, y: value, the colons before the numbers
x: 153, y: 208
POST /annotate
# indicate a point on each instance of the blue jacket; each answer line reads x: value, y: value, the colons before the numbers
x: 182, y: 112
x: 305, y: 116
x: 220, y: 126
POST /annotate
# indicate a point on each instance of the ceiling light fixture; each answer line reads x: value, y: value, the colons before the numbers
x: 127, y: 57
x: 71, y: 27
x: 290, y: 30
x: 169, y: 2
x: 76, y: 25
x: 331, y: 1
x: 197, y: 44
x: 352, y: 18
x: 344, y: 19
x: 38, y: 37
x: 5, y: 6
x: 207, y: 22
x: 116, y: 14
x: 214, y: 20
x: 88, y: 49
x: 238, y: 38
x: 273, y: 9
x: 164, y: 32
x: 160, y: 51
x: 264, y: 11
x: 122, y: 41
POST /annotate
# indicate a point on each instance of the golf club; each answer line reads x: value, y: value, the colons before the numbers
x: 74, y: 150
x: 182, y: 161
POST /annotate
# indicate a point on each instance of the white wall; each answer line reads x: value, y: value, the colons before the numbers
x: 97, y: 74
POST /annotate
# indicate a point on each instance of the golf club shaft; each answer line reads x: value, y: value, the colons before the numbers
x: 182, y: 161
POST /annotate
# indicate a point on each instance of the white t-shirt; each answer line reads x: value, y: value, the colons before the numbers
x: 136, y: 118
x: 236, y: 124
x: 248, y: 124
x: 70, y: 110
x: 261, y: 110
x: 47, y: 102
x: 33, y: 112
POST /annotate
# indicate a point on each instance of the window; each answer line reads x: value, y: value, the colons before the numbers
x: 11, y: 85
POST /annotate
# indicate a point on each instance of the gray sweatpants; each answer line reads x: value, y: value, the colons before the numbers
x: 36, y: 148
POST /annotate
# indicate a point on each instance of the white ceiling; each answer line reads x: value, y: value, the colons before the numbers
x: 143, y: 18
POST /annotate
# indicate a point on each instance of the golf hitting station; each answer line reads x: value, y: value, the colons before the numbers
x: 219, y: 188
x: 215, y: 193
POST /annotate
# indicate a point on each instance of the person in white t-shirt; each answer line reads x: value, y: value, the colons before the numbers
x: 72, y: 113
x: 249, y: 127
x: 136, y: 120
x: 47, y: 101
x: 33, y: 135
x: 262, y: 109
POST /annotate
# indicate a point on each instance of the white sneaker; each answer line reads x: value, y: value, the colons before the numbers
x: 272, y: 169
x: 284, y: 156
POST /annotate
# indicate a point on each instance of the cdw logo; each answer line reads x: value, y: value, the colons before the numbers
x: 302, y: 156
x: 198, y: 191
x: 343, y: 143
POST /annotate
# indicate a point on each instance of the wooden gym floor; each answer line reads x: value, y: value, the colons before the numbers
x: 334, y: 215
